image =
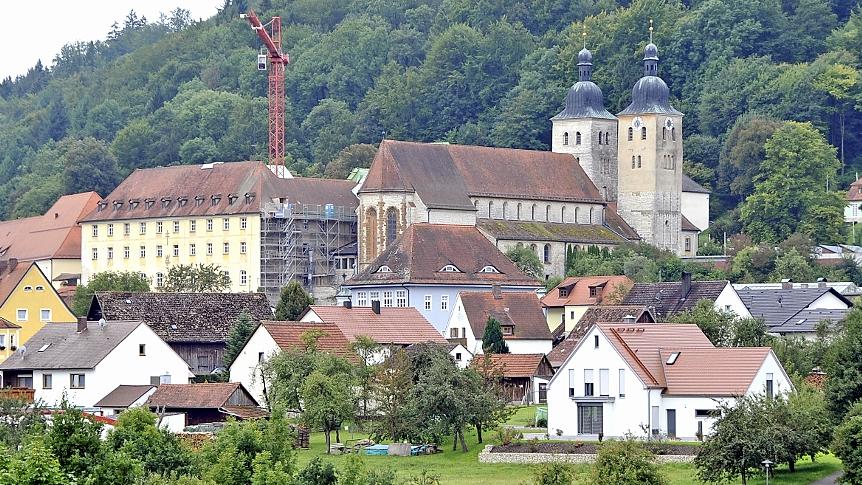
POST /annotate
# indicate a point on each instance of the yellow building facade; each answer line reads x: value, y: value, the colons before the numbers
x: 29, y: 302
x: 150, y: 246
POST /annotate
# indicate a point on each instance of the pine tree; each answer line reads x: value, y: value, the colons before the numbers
x: 240, y: 332
x: 492, y: 341
x: 293, y: 301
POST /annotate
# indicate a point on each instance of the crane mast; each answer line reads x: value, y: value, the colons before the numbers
x: 270, y: 35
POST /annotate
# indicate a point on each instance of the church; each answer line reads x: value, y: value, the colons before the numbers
x: 607, y: 180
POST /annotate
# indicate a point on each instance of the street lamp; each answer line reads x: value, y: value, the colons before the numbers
x: 767, y: 465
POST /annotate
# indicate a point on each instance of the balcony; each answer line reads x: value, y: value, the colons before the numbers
x: 18, y: 393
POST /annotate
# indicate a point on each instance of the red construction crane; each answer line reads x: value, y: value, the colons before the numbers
x: 270, y: 35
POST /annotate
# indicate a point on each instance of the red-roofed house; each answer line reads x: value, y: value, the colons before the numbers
x: 667, y: 378
x: 520, y: 315
x: 853, y: 210
x: 568, y: 301
x: 386, y: 326
x: 271, y: 337
x: 206, y: 402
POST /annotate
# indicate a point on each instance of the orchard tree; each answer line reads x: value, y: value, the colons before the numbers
x: 848, y: 444
x: 328, y: 400
x: 392, y: 381
x: 292, y: 302
x: 526, y: 260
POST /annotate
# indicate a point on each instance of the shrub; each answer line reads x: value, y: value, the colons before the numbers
x: 847, y: 445
x: 555, y: 474
x: 424, y: 478
x: 542, y: 423
x: 317, y: 472
x: 625, y: 462
x: 507, y: 436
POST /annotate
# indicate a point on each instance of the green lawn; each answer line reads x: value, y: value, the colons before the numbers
x: 457, y: 468
x: 523, y: 416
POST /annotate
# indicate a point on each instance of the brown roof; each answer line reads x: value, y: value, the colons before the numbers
x: 53, y: 235
x: 516, y: 365
x: 712, y: 371
x: 577, y: 290
x: 548, y: 231
x: 288, y: 335
x: 399, y: 326
x: 206, y: 395
x: 687, y: 226
x: 669, y: 298
x: 641, y: 345
x: 6, y: 324
x: 855, y: 192
x: 181, y: 317
x: 318, y: 191
x: 521, y: 310
x: 419, y: 254
x: 123, y: 396
x: 11, y: 273
x: 445, y: 176
x: 616, y: 223
x: 594, y: 315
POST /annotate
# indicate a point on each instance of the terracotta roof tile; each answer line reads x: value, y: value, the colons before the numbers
x: 594, y: 315
x: 444, y: 175
x: 687, y: 226
x: 288, y: 336
x: 399, y: 326
x: 423, y: 250
x: 6, y: 324
x: 181, y: 317
x: 520, y: 309
x: 548, y: 231
x: 206, y: 395
x: 516, y: 365
x: 577, y: 290
x: 855, y: 192
x: 730, y: 371
x: 11, y: 273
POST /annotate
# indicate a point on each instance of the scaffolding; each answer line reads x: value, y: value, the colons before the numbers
x: 299, y: 242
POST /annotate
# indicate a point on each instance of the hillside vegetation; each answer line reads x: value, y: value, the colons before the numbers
x: 489, y: 72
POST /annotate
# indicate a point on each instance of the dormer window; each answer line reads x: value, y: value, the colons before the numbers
x: 671, y: 360
x: 231, y: 198
x: 384, y: 269
x: 594, y: 291
x: 249, y: 196
x: 166, y: 202
x: 182, y: 201
x: 564, y: 292
x: 507, y: 329
x: 216, y: 199
x: 450, y: 268
x: 199, y: 200
x: 101, y: 205
x: 489, y: 269
x: 133, y: 203
x: 118, y: 204
x: 149, y: 203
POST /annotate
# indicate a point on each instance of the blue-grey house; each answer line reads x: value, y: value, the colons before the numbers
x: 428, y: 265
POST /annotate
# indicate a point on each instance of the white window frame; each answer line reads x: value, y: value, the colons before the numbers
x: 225, y: 248
x: 143, y: 228
x: 127, y: 229
x: 622, y: 383
x: 604, y: 382
x: 160, y: 280
x: 243, y: 223
x: 226, y: 224
x: 429, y: 302
x: 243, y: 247
x: 176, y: 227
x: 193, y: 225
x: 95, y: 230
x: 160, y: 228
x: 193, y: 250
x: 160, y: 251
x: 209, y: 225
x: 444, y: 303
x: 143, y: 252
x: 42, y: 317
x: 401, y: 298
x: 95, y: 254
x: 80, y: 383
x: 361, y: 299
x: 18, y: 314
x: 243, y: 277
x: 127, y: 252
x: 209, y: 249
x: 388, y: 299
x: 110, y: 230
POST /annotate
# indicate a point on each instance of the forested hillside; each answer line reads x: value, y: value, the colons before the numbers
x: 489, y: 72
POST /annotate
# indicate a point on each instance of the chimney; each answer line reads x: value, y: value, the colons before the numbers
x: 348, y: 304
x: 497, y: 291
x: 82, y: 324
x: 787, y: 284
x: 375, y: 306
x: 821, y: 283
x: 686, y: 283
x: 629, y: 319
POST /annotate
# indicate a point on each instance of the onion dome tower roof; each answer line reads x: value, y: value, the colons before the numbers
x: 650, y: 94
x: 584, y: 99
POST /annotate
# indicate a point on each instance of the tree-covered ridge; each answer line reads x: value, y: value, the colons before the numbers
x: 488, y: 72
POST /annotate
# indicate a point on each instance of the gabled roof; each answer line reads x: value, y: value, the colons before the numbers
x: 777, y: 306
x: 399, y: 326
x: 594, y: 315
x: 854, y: 194
x: 521, y: 310
x: 577, y: 290
x: 516, y: 365
x: 616, y: 223
x: 686, y: 225
x: 53, y: 235
x: 288, y: 336
x: 421, y: 252
x: 445, y: 176
x: 181, y: 317
x: 124, y: 396
x: 670, y: 298
x: 689, y: 185
x: 806, y: 321
x: 66, y: 348
x: 712, y: 372
x: 205, y: 395
x: 6, y: 324
x: 549, y: 231
x: 11, y: 274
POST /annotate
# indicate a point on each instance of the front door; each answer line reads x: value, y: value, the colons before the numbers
x: 671, y: 423
x: 543, y: 393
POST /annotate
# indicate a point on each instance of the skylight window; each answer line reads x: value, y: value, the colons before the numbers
x: 450, y: 268
x: 43, y: 348
x: 672, y: 359
x: 489, y: 269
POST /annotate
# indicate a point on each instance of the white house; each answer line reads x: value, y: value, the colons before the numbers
x: 695, y: 203
x: 664, y: 379
x: 87, y: 360
x: 522, y: 321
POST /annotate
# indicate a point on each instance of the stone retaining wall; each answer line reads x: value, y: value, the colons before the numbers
x: 486, y: 456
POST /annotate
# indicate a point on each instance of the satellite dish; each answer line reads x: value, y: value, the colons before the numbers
x: 22, y: 350
x: 102, y: 322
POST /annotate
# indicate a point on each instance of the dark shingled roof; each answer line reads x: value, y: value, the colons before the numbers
x: 807, y: 321
x: 318, y: 191
x: 777, y: 306
x: 584, y: 99
x: 668, y: 299
x: 650, y: 94
x: 616, y: 223
x: 181, y: 317
x: 689, y: 185
x: 419, y: 254
x: 445, y: 176
x: 205, y: 395
x: 548, y: 231
x: 123, y: 396
x: 594, y: 315
x: 522, y: 310
x: 69, y: 349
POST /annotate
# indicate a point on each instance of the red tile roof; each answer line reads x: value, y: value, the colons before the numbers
x: 687, y: 226
x: 207, y: 395
x: 399, y: 326
x: 594, y: 315
x: 515, y: 365
x: 855, y: 192
x: 445, y: 176
x: 419, y: 254
x: 712, y: 372
x: 11, y: 273
x: 6, y: 324
x: 288, y: 335
x: 577, y: 290
x: 53, y: 235
x: 522, y: 310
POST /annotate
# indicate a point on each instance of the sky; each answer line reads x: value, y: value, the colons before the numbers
x: 37, y: 29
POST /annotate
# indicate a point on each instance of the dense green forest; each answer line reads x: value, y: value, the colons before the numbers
x: 489, y: 72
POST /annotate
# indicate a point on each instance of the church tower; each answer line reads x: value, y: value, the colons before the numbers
x: 585, y: 129
x: 650, y: 159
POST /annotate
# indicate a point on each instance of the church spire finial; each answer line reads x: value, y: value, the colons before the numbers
x: 584, y: 36
x: 650, y: 31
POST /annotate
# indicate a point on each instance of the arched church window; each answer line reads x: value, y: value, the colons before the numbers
x: 391, y: 226
x: 663, y: 133
x: 577, y: 138
x: 533, y: 213
x: 633, y: 161
x: 576, y: 215
x: 490, y: 209
x: 631, y: 133
x: 370, y: 234
x: 518, y: 214
x: 563, y: 214
x: 546, y: 254
x: 533, y: 249
x: 639, y: 161
x: 600, y: 138
x: 548, y: 213
x: 643, y: 133
x: 505, y: 207
x: 566, y: 138
x: 607, y: 138
x: 673, y: 134
x: 591, y: 215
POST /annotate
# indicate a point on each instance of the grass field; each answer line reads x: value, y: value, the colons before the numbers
x: 457, y: 468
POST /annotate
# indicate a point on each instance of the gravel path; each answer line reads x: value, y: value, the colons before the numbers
x: 830, y: 480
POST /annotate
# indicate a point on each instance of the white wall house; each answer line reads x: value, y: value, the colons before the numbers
x: 86, y: 361
x: 729, y: 301
x: 659, y: 379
